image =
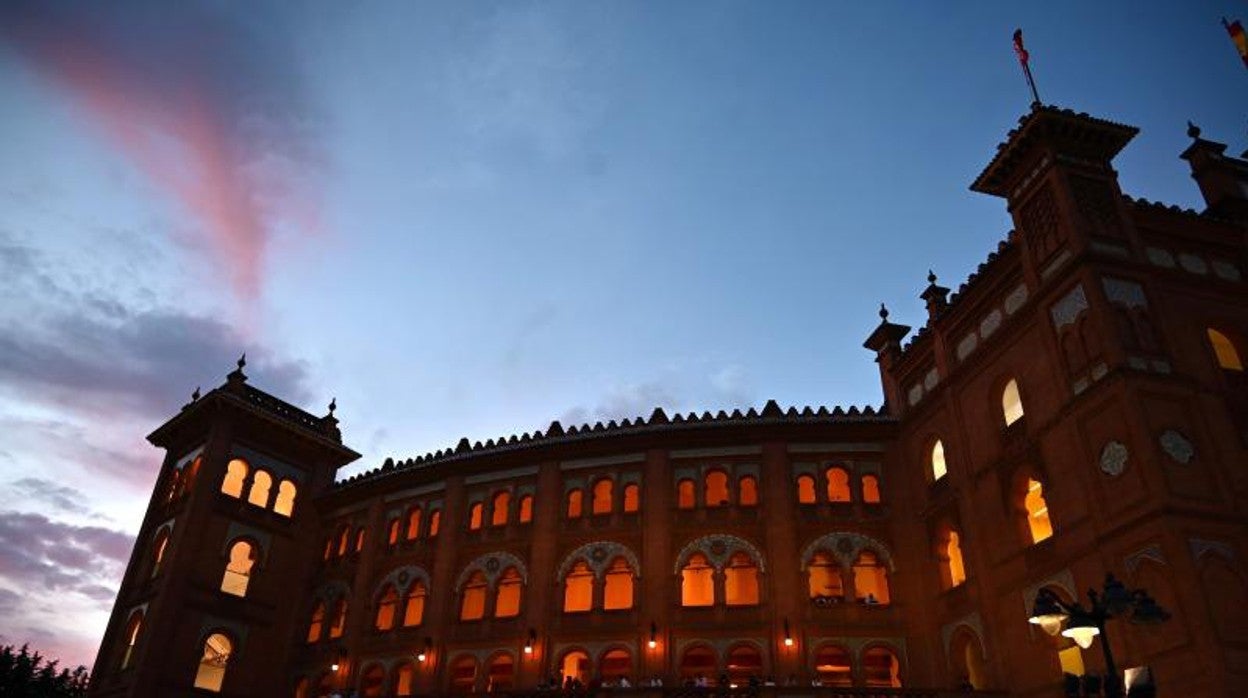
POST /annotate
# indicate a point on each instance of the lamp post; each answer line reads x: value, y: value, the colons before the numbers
x: 1084, y: 624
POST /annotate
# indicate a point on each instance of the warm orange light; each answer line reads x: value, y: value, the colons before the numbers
x: 528, y: 649
x: 333, y: 667
x: 653, y: 644
x: 420, y: 657
x: 788, y: 642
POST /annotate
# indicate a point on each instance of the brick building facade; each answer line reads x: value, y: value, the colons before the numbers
x: 1079, y: 407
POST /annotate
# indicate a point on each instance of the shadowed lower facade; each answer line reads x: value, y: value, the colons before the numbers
x: 1078, y: 407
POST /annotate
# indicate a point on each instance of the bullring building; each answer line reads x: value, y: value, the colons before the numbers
x: 1077, y: 408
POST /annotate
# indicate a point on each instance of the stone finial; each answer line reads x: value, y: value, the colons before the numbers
x: 883, y: 312
x: 242, y: 361
x: 195, y: 395
x: 1193, y: 131
x: 333, y: 405
x: 931, y: 276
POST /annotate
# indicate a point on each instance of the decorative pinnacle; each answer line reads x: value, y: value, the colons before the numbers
x: 883, y: 312
x: 1193, y: 131
x: 195, y: 395
x: 333, y: 405
x: 931, y: 276
x: 242, y: 361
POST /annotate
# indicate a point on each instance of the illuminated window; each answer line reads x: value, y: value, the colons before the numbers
x: 338, y: 622
x: 805, y: 489
x: 261, y: 482
x: 463, y: 675
x: 435, y: 521
x: 526, y: 508
x: 578, y: 589
x: 685, y: 495
x: 870, y: 579
x: 938, y: 461
x: 386, y: 608
x: 747, y: 491
x: 574, y: 504
x: 158, y: 555
x: 576, y: 665
x: 133, y: 628
x: 966, y: 653
x: 1011, y: 403
x: 1071, y: 659
x: 343, y: 534
x: 832, y: 664
x: 500, y: 673
x: 615, y: 665
x: 238, y: 570
x: 413, y: 523
x: 716, y: 494
x: 617, y: 592
x: 317, y: 622
x: 838, y: 485
x: 175, y: 476
x: 414, y: 605
x: 392, y: 532
x: 211, y: 673
x: 1224, y: 351
x: 1037, y: 509
x: 404, y: 680
x: 603, y: 489
x: 235, y: 474
x: 744, y: 663
x: 359, y: 539
x: 697, y: 587
x: 955, y: 571
x: 507, y: 599
x: 372, y: 681
x: 741, y: 581
x: 285, y: 504
x: 870, y: 489
x: 472, y: 603
x: 475, y: 514
x: 632, y: 498
x: 825, y: 578
x: 502, y: 509
x: 880, y: 668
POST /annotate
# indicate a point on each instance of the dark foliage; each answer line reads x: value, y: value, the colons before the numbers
x: 26, y: 675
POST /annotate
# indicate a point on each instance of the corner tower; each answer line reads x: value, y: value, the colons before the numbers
x: 230, y: 529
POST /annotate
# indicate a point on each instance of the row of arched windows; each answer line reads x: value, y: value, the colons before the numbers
x: 500, y: 511
x: 602, y: 499
x: 717, y: 491
x: 837, y: 488
x: 409, y: 526
x: 259, y: 493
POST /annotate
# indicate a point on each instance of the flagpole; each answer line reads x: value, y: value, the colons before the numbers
x: 1031, y: 82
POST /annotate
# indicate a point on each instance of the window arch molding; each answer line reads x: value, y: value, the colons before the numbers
x: 898, y: 655
x: 719, y: 549
x: 599, y: 555
x: 845, y: 547
x: 402, y: 579
x: 962, y: 635
x: 492, y: 566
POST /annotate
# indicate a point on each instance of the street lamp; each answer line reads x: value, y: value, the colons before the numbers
x: 1084, y: 624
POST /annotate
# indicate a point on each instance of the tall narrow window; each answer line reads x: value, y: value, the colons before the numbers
x: 1011, y: 403
x: 392, y: 532
x: 526, y: 508
x: 338, y: 622
x: 507, y: 599
x: 501, y: 509
x: 697, y: 587
x: 285, y: 504
x: 235, y: 474
x: 938, y: 461
x: 1037, y: 509
x: 747, y: 491
x: 317, y: 622
x: 805, y: 489
x: 212, y: 663
x: 685, y: 495
x: 404, y: 680
x: 617, y: 591
x: 472, y: 602
x: 870, y: 489
x: 838, y: 485
x: 574, y: 504
x: 953, y: 560
x: 716, y: 494
x: 603, y: 491
x: 578, y: 588
x: 158, y: 554
x: 475, y: 514
x: 825, y: 579
x: 413, y: 523
x: 741, y: 581
x: 343, y: 535
x: 414, y: 605
x: 261, y: 482
x: 238, y: 570
x: 870, y: 579
x: 359, y: 539
x: 133, y: 628
x: 1224, y: 351
x: 632, y: 498
x: 435, y: 521
x: 386, y: 609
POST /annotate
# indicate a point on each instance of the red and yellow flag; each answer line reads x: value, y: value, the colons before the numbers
x: 1236, y: 30
x: 1023, y: 56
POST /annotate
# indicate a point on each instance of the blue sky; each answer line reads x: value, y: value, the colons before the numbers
x: 468, y: 219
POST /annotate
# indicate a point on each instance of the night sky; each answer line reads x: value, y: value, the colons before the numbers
x: 471, y: 218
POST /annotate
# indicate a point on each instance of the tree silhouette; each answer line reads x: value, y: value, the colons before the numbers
x: 26, y: 675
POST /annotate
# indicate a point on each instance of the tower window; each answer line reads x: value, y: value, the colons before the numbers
x: 1011, y: 403
x: 238, y: 570
x: 212, y: 663
x: 133, y: 628
x: 937, y: 461
x: 1038, y: 522
x: 1224, y: 351
x: 235, y: 474
x: 261, y: 483
x: 285, y: 504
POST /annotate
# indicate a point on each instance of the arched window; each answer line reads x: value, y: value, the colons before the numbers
x: 285, y: 504
x: 684, y: 494
x: 825, y: 578
x: 386, y: 609
x: 615, y: 664
x: 741, y: 581
x: 317, y: 622
x: 617, y: 592
x: 834, y: 667
x: 805, y: 489
x: 133, y: 627
x: 413, y: 523
x: 404, y: 679
x: 698, y: 660
x: 338, y: 622
x: 414, y: 604
x: 1224, y: 351
x: 1037, y: 509
x: 463, y: 675
x: 603, y: 490
x: 472, y: 602
x: 575, y: 664
x: 880, y: 668
x: 158, y: 550
x: 235, y: 474
x: 435, y: 522
x: 372, y: 681
x: 578, y: 588
x: 632, y: 498
x: 870, y: 489
x: 238, y: 569
x: 392, y: 531
x: 716, y: 492
x: 1011, y: 403
x: 838, y: 485
x: 697, y: 587
x: 343, y: 534
x: 175, y: 476
x: 954, y: 572
x: 967, y: 657
x: 526, y: 509
x: 937, y: 461
x: 475, y: 514
x: 329, y: 549
x: 500, y: 673
x: 744, y: 663
x: 747, y: 491
x: 261, y: 482
x: 502, y: 509
x: 574, y: 504
x: 359, y: 539
x: 870, y: 579
x: 507, y: 599
x: 212, y: 663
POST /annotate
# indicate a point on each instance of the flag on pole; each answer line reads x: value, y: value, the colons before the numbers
x: 1236, y: 30
x: 1022, y: 52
